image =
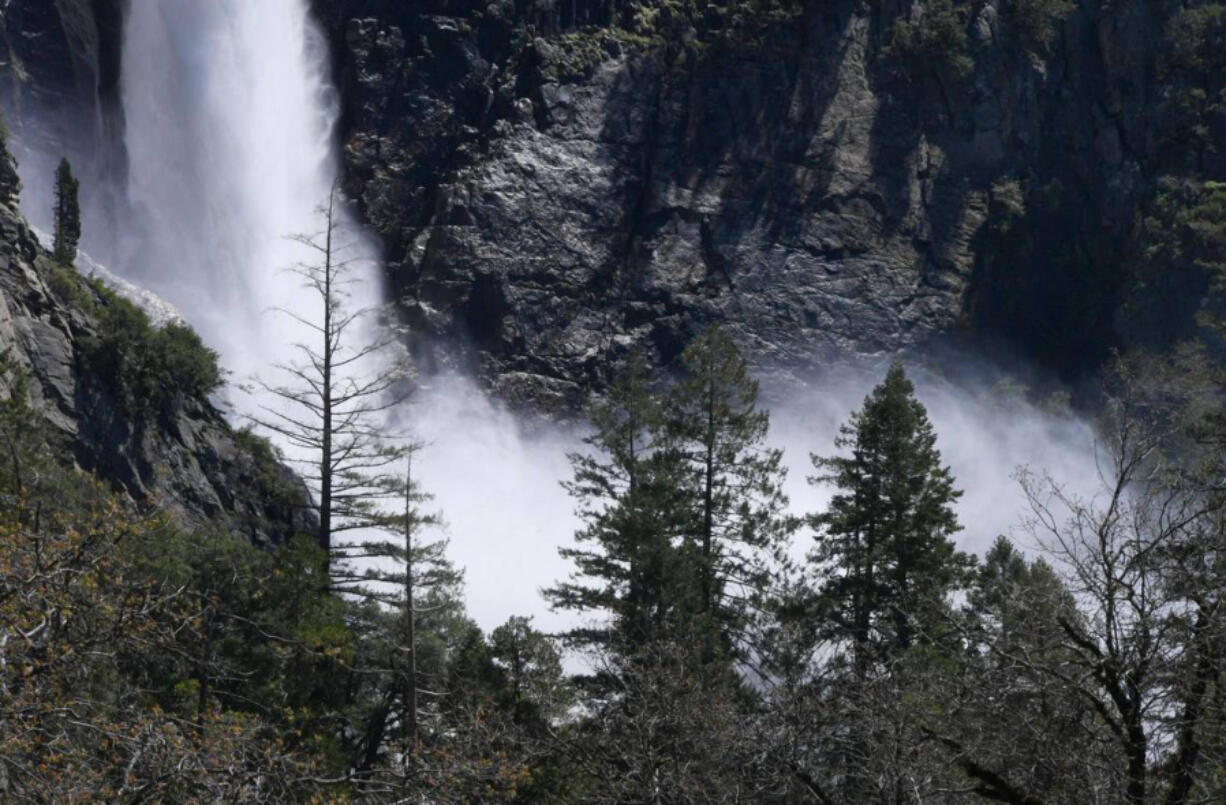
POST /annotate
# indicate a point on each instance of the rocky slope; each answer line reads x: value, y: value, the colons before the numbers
x: 168, y: 449
x: 823, y: 177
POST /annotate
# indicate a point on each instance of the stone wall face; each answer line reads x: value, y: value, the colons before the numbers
x: 551, y: 196
x: 555, y: 185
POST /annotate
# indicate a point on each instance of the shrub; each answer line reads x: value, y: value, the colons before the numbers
x: 186, y: 361
x: 270, y: 468
x: 710, y: 21
x: 145, y: 366
x: 1036, y: 20
x: 1197, y: 38
x: 71, y: 288
x: 1183, y: 258
x: 10, y: 182
x: 937, y: 36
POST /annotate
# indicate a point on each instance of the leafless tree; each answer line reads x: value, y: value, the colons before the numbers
x: 1126, y: 676
x: 331, y: 411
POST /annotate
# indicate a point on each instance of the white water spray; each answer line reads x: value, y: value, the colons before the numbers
x: 230, y: 114
x: 229, y: 119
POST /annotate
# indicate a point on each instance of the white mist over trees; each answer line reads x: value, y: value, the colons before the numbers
x: 729, y: 662
x: 506, y: 536
x: 229, y: 120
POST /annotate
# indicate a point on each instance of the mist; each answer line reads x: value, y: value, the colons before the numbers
x: 230, y: 121
x: 230, y: 125
x: 497, y: 480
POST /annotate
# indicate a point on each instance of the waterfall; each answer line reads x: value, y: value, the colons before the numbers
x: 229, y: 133
x: 229, y: 127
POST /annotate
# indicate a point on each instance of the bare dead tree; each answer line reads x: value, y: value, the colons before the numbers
x: 332, y: 409
x: 335, y: 412
x: 1133, y: 663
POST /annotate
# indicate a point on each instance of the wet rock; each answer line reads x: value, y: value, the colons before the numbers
x: 551, y: 197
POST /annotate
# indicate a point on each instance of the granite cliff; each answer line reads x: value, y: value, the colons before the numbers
x: 114, y: 399
x: 555, y: 183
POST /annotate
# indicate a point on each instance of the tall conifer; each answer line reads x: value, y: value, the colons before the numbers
x: 737, y: 527
x: 884, y: 542
x: 628, y: 488
x: 67, y: 214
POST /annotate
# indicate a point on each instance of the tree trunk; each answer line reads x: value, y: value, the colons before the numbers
x: 325, y: 457
x: 410, y: 615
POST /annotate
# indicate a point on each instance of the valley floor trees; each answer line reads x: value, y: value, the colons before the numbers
x: 404, y: 728
x: 894, y: 668
x: 139, y: 662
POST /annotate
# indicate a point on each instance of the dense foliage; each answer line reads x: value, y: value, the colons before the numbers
x: 142, y: 662
x: 145, y: 367
x: 934, y: 37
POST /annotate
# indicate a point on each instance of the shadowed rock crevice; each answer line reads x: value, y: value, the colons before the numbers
x: 175, y: 453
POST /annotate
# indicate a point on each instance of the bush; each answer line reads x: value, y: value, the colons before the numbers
x: 1183, y: 260
x: 709, y: 21
x: 1036, y: 20
x: 936, y: 37
x: 1188, y: 226
x: 145, y: 366
x: 1197, y: 38
x: 10, y: 182
x: 271, y: 472
x: 186, y: 361
x: 71, y: 288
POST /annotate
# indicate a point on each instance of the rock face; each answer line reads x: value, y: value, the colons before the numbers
x: 550, y: 196
x: 183, y: 458
x: 59, y: 91
x: 556, y: 183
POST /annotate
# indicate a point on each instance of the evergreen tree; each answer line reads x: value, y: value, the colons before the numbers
x: 629, y: 490
x: 683, y: 505
x: 535, y: 690
x: 67, y: 214
x: 1014, y: 640
x: 10, y: 182
x: 884, y: 542
x: 414, y: 591
x: 736, y: 507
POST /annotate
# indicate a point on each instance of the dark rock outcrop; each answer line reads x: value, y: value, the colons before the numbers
x: 182, y: 458
x: 549, y: 197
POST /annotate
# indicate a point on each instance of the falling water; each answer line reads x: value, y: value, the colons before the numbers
x: 229, y: 118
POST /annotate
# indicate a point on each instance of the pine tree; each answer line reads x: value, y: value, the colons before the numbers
x: 684, y: 509
x: 410, y: 581
x: 535, y: 688
x: 628, y: 487
x: 737, y: 526
x: 884, y: 542
x: 10, y: 182
x: 67, y: 214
